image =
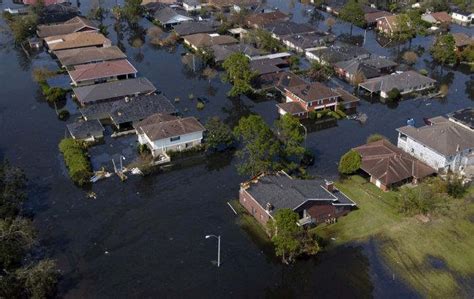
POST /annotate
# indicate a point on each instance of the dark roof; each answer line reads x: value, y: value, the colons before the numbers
x: 313, y: 92
x: 222, y: 52
x: 355, y: 66
x: 85, y: 129
x: 59, y: 12
x: 389, y: 164
x: 292, y: 107
x: 401, y: 81
x: 262, y: 19
x: 286, y: 28
x: 155, y: 127
x: 111, y: 90
x: 188, y: 28
x: 380, y: 62
x: 340, y: 52
x: 308, y: 39
x: 464, y: 117
x: 61, y: 81
x: 88, y: 55
x: 346, y: 97
x: 169, y: 15
x: 283, y: 192
x: 267, y: 65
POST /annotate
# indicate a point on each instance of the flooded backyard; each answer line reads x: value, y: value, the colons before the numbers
x: 145, y: 237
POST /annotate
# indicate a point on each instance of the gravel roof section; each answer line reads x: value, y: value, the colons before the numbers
x: 85, y: 129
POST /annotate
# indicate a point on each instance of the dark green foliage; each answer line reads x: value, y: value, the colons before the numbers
x: 394, y: 95
x: 294, y: 62
x: 455, y: 187
x: 238, y: 72
x: 353, y: 13
x: 467, y: 55
x: 55, y: 94
x: 12, y: 195
x: 16, y: 238
x: 63, y: 114
x: 260, y: 150
x: 77, y: 161
x: 291, y: 135
x: 218, y: 134
x: 40, y: 279
x: 320, y: 72
x: 132, y: 10
x: 350, y: 162
x: 443, y: 50
x: 23, y: 27
x: 264, y: 40
x: 420, y: 200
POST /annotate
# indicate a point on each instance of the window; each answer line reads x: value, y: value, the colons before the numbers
x: 173, y: 139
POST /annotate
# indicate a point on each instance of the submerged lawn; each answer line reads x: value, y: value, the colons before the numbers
x: 435, y: 258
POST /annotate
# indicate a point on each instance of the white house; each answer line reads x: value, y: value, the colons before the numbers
x: 444, y: 144
x: 192, y: 5
x: 463, y: 17
x: 163, y: 133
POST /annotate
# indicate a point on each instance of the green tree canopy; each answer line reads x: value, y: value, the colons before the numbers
x: 260, y: 151
x: 290, y: 133
x: 238, y: 72
x: 353, y: 13
x: 286, y: 237
x: 394, y: 95
x: 443, y: 50
x: 132, y: 10
x: 218, y: 134
x: 350, y: 162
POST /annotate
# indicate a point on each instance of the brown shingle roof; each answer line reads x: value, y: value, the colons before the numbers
x: 88, y: 55
x: 159, y: 126
x: 442, y: 17
x: 389, y: 164
x: 92, y: 71
x: 462, y: 39
x: 292, y: 107
x: 371, y: 17
x: 75, y: 24
x: 313, y: 92
x: 76, y: 40
x: 262, y: 19
x: 201, y: 40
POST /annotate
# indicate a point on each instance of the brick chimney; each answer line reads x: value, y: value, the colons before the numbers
x: 330, y: 186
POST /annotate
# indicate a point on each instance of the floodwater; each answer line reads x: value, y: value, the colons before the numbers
x: 145, y: 237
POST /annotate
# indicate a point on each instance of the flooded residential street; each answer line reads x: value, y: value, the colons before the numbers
x: 145, y: 237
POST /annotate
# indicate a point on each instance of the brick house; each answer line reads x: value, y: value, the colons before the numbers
x: 316, y: 201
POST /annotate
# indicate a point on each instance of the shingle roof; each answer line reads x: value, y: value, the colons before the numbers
x: 111, y: 90
x: 308, y: 39
x: 346, y: 97
x: 355, y: 66
x: 88, y: 55
x: 282, y: 191
x: 266, y: 66
x: 286, y: 28
x: 85, y: 129
x: 380, y: 62
x: 168, y: 15
x: 313, y: 92
x: 73, y: 25
x: 371, y: 17
x: 222, y: 52
x: 227, y: 3
x: 76, y: 40
x: 188, y: 28
x: 464, y: 117
x: 99, y: 70
x: 401, y: 81
x: 202, y: 40
x: 442, y: 17
x: 262, y: 19
x: 156, y: 127
x: 443, y: 136
x: 462, y: 39
x: 292, y: 107
x: 389, y: 164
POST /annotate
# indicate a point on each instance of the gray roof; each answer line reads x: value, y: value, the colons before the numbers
x: 89, y: 55
x: 464, y: 117
x: 308, y: 39
x: 402, y: 81
x: 158, y: 126
x: 443, y: 136
x: 112, y: 90
x: 85, y: 129
x: 288, y: 27
x: 340, y: 52
x: 282, y: 191
x: 168, y: 15
x: 380, y: 62
x: 188, y: 28
x: 222, y: 52
x: 356, y: 65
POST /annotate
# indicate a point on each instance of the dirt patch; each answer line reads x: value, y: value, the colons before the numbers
x: 423, y: 218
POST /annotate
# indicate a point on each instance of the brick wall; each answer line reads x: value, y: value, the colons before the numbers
x: 253, y: 207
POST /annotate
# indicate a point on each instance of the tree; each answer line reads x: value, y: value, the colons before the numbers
x: 350, y: 162
x: 290, y: 133
x: 264, y: 40
x: 330, y: 22
x: 209, y: 73
x: 24, y: 27
x: 320, y: 72
x: 16, y: 237
x: 132, y: 10
x: 410, y: 57
x: 285, y: 238
x: 353, y: 13
x: 55, y: 94
x: 294, y: 62
x: 218, y: 134
x: 12, y: 195
x: 443, y: 50
x: 404, y: 30
x: 238, y: 72
x: 394, y: 95
x: 39, y: 280
x: 260, y: 150
x: 375, y: 137
x: 467, y: 55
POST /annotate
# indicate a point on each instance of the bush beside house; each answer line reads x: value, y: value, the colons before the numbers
x: 77, y: 160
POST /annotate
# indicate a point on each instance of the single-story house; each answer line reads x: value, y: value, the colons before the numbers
x: 259, y: 20
x: 406, y: 82
x: 280, y: 81
x: 267, y: 65
x: 347, y: 100
x: 192, y: 5
x: 163, y: 133
x: 355, y: 70
x: 446, y: 144
x: 100, y: 72
x: 73, y: 57
x: 169, y: 17
x: 188, y: 28
x: 389, y: 166
x: 462, y: 41
x: 437, y: 18
x: 316, y: 201
x: 336, y: 53
x: 388, y: 25
x: 280, y: 29
x: 464, y: 18
x: 89, y: 130
x: 304, y: 41
x: 371, y: 17
x: 383, y: 65
x: 91, y: 94
x: 201, y: 41
x: 76, y: 40
x: 222, y: 52
x: 76, y: 24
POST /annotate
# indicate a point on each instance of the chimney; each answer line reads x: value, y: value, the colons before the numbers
x: 458, y: 148
x: 330, y: 186
x: 269, y: 207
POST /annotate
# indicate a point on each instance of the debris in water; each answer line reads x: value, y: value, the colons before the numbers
x: 106, y: 252
x: 91, y: 195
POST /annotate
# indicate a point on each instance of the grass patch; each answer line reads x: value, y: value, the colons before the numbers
x: 406, y: 243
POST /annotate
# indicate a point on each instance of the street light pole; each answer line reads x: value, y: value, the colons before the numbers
x: 305, y: 134
x: 218, y: 248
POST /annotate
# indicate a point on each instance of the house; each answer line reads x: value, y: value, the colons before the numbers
x: 347, y: 101
x: 462, y: 41
x: 222, y: 52
x: 192, y: 5
x: 389, y: 166
x: 305, y: 41
x: 437, y: 18
x: 462, y: 17
x: 388, y: 25
x: 238, y: 33
x: 406, y: 82
x: 91, y: 94
x: 169, y: 17
x: 260, y: 20
x: 316, y: 201
x: 280, y: 29
x: 371, y: 17
x: 267, y: 66
x: 163, y: 133
x: 76, y: 24
x: 336, y: 53
x: 446, y: 144
x: 236, y: 5
x: 100, y: 72
x: 86, y: 130
x: 188, y: 28
x: 280, y: 81
x: 76, y: 40
x: 381, y: 64
x: 201, y: 41
x: 71, y: 57
x: 300, y: 100
x: 355, y: 71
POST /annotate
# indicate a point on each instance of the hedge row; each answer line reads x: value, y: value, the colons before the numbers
x: 77, y: 161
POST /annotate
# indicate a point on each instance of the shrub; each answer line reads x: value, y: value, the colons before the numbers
x: 334, y: 114
x: 55, y: 94
x: 200, y: 105
x: 375, y: 137
x: 63, y: 114
x: 423, y: 72
x: 77, y: 161
x: 420, y: 200
x: 341, y: 113
x: 350, y: 162
x: 455, y: 187
x: 394, y: 95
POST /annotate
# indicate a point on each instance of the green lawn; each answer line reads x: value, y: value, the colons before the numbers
x: 406, y: 244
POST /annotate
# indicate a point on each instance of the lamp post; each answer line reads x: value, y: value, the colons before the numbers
x: 218, y: 247
x: 305, y: 134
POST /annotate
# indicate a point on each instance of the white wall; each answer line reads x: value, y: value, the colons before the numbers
x: 157, y: 146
